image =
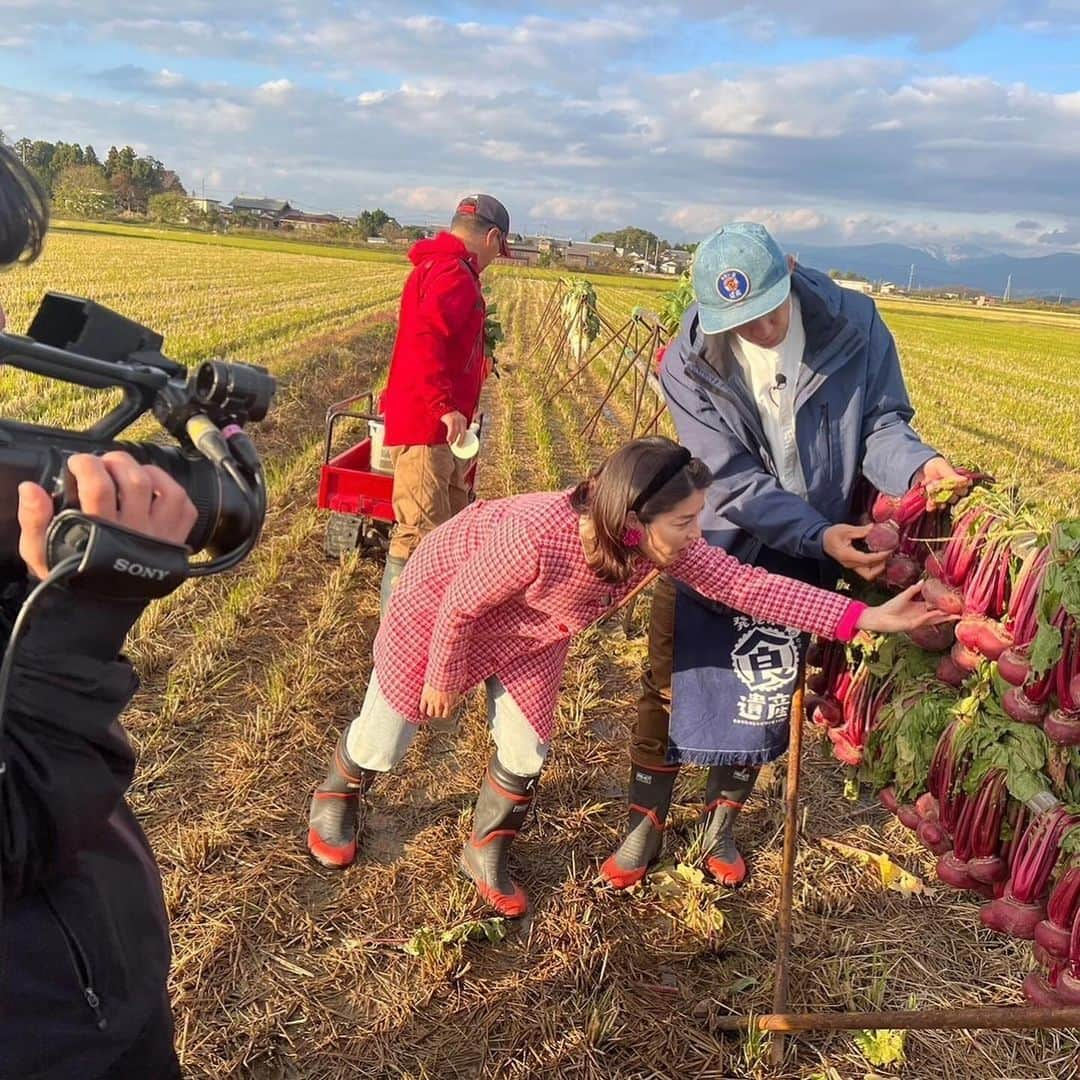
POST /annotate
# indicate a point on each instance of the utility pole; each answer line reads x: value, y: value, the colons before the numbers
x: 1007, y: 296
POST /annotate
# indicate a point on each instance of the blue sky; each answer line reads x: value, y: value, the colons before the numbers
x: 932, y: 123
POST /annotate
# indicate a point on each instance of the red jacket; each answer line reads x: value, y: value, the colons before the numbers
x: 438, y: 365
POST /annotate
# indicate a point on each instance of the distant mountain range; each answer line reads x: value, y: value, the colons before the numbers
x: 1046, y: 275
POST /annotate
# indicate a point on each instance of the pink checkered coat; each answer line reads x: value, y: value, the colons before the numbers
x: 502, y: 588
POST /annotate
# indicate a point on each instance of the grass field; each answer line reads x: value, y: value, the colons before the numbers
x: 283, y: 970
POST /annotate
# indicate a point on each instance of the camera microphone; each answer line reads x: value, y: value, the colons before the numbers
x: 781, y: 380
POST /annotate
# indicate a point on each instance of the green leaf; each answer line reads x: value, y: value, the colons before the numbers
x: 1045, y: 649
x: 1070, y: 842
x: 883, y: 1046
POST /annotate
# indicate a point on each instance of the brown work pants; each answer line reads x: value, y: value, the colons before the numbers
x: 429, y: 488
x: 649, y: 743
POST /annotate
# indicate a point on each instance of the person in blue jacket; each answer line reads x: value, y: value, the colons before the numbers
x: 789, y: 387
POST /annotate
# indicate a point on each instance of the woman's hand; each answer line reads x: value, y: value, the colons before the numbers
x: 905, y: 611
x: 437, y: 704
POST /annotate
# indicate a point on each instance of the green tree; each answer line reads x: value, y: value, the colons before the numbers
x: 64, y: 156
x: 83, y: 191
x: 170, y: 208
x: 631, y: 238
x: 372, y: 222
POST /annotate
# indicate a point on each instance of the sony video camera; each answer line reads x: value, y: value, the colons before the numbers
x: 204, y: 409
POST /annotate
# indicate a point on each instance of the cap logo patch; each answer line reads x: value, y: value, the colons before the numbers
x: 732, y: 285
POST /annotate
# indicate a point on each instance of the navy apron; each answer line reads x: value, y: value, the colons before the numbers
x: 733, y: 678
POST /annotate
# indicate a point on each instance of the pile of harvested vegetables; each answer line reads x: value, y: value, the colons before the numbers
x: 970, y: 732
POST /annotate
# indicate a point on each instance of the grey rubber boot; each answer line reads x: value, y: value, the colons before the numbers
x: 501, y: 806
x: 650, y: 800
x: 726, y: 792
x: 334, y: 815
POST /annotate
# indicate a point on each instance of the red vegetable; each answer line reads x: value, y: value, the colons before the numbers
x: 1014, y: 665
x: 938, y: 594
x: 967, y: 660
x: 901, y: 572
x: 1021, y: 708
x: 1039, y: 992
x: 933, y: 638
x: 982, y: 635
x: 984, y: 863
x: 1063, y: 724
x: 1021, y: 908
x: 1063, y: 727
x: 949, y: 673
x: 1068, y: 985
x: 926, y: 807
x: 883, y: 536
x: 933, y: 836
x: 1052, y: 934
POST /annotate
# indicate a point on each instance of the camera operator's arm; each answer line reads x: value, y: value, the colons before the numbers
x: 68, y: 762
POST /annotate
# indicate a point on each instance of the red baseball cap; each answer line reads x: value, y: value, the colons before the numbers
x: 492, y: 212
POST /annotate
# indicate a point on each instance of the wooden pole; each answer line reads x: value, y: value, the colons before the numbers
x: 618, y: 374
x: 545, y: 315
x: 563, y: 345
x: 598, y: 349
x: 976, y: 1018
x: 781, y: 985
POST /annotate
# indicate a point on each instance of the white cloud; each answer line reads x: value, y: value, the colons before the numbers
x: 557, y: 116
x: 274, y: 90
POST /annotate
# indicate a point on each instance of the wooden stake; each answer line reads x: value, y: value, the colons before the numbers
x: 976, y: 1018
x: 782, y: 984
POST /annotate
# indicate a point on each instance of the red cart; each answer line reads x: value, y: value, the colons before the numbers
x: 357, y: 495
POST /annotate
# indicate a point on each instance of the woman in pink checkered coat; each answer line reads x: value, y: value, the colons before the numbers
x: 495, y: 595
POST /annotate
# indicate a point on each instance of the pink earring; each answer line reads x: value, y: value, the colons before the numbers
x: 631, y: 538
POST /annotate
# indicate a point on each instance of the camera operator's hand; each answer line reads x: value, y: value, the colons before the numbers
x: 116, y: 488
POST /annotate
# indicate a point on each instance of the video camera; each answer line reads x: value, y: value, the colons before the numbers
x: 81, y: 342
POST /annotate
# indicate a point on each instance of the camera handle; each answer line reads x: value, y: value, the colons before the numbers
x: 140, y: 382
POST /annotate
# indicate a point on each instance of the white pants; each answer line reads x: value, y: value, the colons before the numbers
x: 380, y: 735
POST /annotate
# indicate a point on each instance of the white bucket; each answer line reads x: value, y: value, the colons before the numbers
x: 380, y: 455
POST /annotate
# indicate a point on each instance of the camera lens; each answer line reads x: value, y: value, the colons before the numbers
x: 242, y: 390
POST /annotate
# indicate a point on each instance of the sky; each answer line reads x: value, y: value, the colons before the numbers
x: 942, y: 124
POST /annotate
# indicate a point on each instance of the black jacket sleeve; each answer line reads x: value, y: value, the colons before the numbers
x: 67, y: 760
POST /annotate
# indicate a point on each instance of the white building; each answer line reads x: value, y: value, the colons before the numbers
x: 857, y: 285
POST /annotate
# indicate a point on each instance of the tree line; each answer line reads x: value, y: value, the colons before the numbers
x: 80, y: 183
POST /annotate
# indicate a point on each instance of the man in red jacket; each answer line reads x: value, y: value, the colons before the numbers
x: 437, y: 371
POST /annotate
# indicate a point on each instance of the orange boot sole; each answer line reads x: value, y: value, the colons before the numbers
x: 726, y: 873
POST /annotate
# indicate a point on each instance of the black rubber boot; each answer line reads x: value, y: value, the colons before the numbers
x: 391, y: 572
x: 501, y: 807
x: 726, y: 792
x: 650, y: 800
x: 334, y: 816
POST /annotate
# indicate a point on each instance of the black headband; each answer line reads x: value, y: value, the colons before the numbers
x: 662, y: 477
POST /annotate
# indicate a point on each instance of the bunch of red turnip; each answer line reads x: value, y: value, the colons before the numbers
x: 1013, y: 658
x: 1005, y: 603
